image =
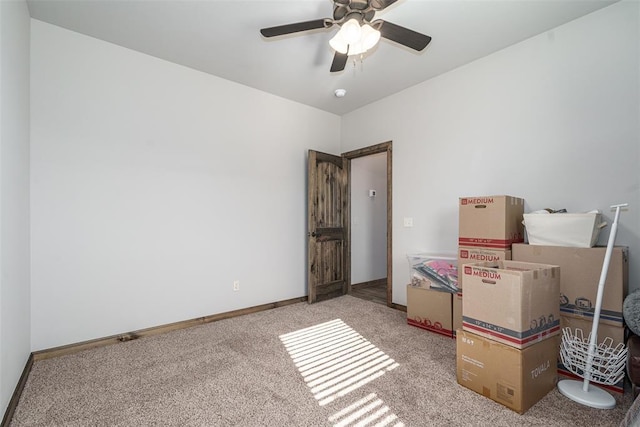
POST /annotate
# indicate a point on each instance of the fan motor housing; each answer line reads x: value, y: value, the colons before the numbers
x: 362, y: 8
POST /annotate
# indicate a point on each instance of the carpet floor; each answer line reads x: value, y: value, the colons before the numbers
x: 272, y: 369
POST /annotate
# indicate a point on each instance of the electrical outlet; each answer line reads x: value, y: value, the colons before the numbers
x: 236, y: 285
x: 408, y: 222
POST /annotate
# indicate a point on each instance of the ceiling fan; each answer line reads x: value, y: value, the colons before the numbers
x: 358, y: 32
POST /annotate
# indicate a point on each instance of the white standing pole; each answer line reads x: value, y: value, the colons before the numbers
x: 593, y: 342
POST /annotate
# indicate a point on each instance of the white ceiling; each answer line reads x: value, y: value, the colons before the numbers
x: 222, y: 38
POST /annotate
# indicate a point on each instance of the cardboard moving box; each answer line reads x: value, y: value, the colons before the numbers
x: 515, y: 378
x: 515, y: 303
x: 430, y: 309
x: 490, y: 222
x: 580, y: 273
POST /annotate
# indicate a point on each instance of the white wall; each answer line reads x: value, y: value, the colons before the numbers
x: 368, y: 218
x: 553, y: 119
x: 155, y: 186
x: 14, y: 196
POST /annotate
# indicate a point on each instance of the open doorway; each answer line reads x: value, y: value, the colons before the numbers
x: 370, y: 228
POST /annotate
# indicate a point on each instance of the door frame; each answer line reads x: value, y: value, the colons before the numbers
x: 362, y: 152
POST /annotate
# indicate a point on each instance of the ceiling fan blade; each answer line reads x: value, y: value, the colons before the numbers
x: 339, y: 62
x: 404, y: 36
x: 295, y: 28
x: 381, y: 4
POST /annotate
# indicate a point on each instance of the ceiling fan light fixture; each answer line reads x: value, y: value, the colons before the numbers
x: 357, y: 30
x: 345, y: 43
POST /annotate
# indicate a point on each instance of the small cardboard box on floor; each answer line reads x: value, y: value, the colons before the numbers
x: 515, y: 303
x: 432, y: 297
x: 430, y: 309
x: 616, y: 333
x: 490, y: 221
x: 517, y: 379
x: 580, y: 273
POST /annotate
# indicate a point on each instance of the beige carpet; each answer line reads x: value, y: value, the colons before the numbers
x: 270, y: 369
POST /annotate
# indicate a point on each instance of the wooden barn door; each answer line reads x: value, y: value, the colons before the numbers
x: 328, y: 229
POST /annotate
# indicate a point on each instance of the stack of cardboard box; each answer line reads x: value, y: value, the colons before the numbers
x: 580, y: 274
x: 508, y: 348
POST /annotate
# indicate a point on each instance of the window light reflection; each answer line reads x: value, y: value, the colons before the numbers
x: 334, y: 360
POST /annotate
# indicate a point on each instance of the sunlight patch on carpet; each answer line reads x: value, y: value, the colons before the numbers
x: 334, y: 360
x: 370, y: 410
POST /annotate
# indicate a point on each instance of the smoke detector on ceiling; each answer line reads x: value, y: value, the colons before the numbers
x: 340, y: 93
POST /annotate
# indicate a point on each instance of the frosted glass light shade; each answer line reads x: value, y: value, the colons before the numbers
x: 338, y: 44
x: 369, y: 37
x: 350, y: 31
